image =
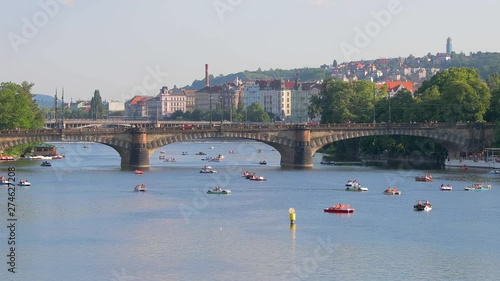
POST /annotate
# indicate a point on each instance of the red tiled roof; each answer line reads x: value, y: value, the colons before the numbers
x: 394, y: 85
x: 289, y: 85
x: 138, y: 99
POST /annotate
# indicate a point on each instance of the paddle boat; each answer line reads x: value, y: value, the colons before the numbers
x: 170, y: 160
x: 24, y: 183
x: 4, y: 180
x: 354, y: 186
x: 45, y: 164
x: 447, y: 187
x: 392, y: 191
x: 138, y: 172
x: 339, y: 209
x: 7, y: 158
x: 208, y: 170
x: 263, y: 162
x: 477, y: 187
x: 218, y: 158
x: 218, y: 190
x: 260, y: 150
x: 255, y: 177
x: 140, y: 187
x: 422, y: 206
x: 184, y: 153
x: 426, y: 178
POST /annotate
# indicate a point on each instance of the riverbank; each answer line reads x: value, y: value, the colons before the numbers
x: 480, y: 164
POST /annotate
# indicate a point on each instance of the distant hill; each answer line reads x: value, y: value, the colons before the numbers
x: 305, y: 74
x: 485, y: 62
x: 44, y: 101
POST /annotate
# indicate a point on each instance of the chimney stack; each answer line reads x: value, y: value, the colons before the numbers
x: 207, y: 78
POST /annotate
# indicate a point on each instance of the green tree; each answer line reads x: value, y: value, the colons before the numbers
x: 96, y: 106
x: 256, y: 113
x: 341, y: 102
x: 462, y: 95
x: 18, y: 109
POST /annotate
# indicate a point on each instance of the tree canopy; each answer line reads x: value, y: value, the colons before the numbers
x: 457, y: 94
x: 96, y: 106
x: 18, y: 110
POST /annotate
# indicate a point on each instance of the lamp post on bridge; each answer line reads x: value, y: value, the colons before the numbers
x: 210, y: 97
x: 374, y: 103
x: 389, y: 98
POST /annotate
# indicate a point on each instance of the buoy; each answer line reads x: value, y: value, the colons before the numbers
x: 291, y: 211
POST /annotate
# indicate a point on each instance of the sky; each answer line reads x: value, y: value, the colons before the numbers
x: 125, y: 48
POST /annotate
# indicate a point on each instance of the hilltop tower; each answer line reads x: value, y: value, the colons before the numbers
x: 448, y: 46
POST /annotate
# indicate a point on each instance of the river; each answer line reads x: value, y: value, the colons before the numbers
x: 81, y: 220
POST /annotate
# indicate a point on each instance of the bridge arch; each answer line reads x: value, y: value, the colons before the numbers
x: 443, y: 139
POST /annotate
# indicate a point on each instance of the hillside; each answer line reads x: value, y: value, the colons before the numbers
x: 487, y: 63
x: 44, y: 101
x: 305, y: 74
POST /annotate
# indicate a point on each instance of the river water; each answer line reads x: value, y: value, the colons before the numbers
x: 81, y: 220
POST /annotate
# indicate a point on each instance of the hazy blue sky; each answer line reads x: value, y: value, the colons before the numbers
x: 128, y: 47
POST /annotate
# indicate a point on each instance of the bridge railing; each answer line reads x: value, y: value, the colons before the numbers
x: 245, y: 127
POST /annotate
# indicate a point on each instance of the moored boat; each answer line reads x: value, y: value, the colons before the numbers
x: 138, y: 172
x: 218, y: 190
x: 422, y: 206
x: 7, y: 158
x: 392, y: 191
x: 447, y: 187
x: 140, y: 187
x: 426, y: 178
x: 340, y: 209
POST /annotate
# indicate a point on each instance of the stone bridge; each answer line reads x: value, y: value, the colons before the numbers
x: 295, y: 143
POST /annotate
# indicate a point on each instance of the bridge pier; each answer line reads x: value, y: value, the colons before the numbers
x: 299, y: 155
x: 139, y: 153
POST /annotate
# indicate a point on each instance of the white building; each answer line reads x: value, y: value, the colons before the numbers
x: 114, y: 105
x: 171, y: 101
x: 276, y: 97
x: 251, y: 94
x: 301, y: 99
